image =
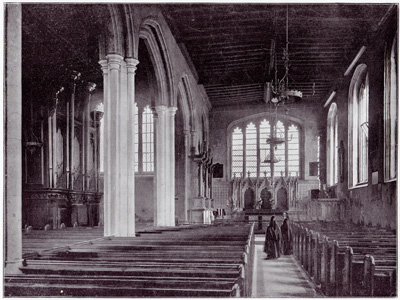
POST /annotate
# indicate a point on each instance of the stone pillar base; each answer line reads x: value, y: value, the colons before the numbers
x: 201, y: 216
x: 13, y: 267
x: 201, y: 212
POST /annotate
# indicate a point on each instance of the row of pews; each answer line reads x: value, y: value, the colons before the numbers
x: 187, y: 261
x: 347, y: 260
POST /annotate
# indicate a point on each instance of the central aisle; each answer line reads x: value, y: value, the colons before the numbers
x: 279, y: 278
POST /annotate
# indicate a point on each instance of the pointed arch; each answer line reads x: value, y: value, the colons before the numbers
x: 151, y: 33
x: 187, y: 103
x: 132, y: 39
x: 358, y: 103
x: 113, y: 37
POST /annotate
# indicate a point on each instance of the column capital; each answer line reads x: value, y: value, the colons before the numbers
x: 160, y: 108
x: 172, y: 110
x: 104, y: 66
x: 114, y: 61
x: 131, y: 64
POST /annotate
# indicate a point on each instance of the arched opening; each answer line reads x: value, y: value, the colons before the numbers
x: 282, y: 199
x: 249, y: 198
x: 266, y: 199
x: 145, y: 93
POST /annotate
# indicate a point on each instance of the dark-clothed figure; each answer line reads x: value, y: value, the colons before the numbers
x: 272, y: 240
x: 286, y: 237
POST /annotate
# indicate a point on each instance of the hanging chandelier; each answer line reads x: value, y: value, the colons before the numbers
x: 277, y: 91
x: 275, y: 139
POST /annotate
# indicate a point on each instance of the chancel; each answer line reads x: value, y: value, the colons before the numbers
x: 148, y: 147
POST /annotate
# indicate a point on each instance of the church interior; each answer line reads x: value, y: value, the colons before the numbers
x: 146, y: 147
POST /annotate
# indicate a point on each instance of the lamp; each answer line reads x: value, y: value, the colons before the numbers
x: 33, y: 142
x: 278, y: 90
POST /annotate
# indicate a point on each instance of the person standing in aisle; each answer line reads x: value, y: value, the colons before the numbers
x: 272, y: 240
x: 287, y: 240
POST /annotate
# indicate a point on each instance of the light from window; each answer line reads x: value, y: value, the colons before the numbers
x: 293, y: 151
x: 390, y: 112
x: 332, y: 146
x: 136, y: 138
x: 358, y: 127
x: 237, y: 152
x: 363, y: 134
x: 147, y: 140
x: 251, y: 149
x: 279, y: 167
x: 265, y: 132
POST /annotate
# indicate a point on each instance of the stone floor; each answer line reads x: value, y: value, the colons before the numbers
x: 279, y: 278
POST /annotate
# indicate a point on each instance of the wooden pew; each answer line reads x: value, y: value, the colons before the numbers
x: 341, y: 275
x: 209, y: 270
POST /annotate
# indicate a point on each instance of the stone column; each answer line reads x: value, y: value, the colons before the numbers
x: 187, y: 174
x: 119, y: 196
x: 106, y: 142
x: 13, y: 140
x: 160, y: 124
x: 96, y: 155
x: 131, y: 64
x: 164, y: 166
x: 111, y: 136
x: 171, y: 163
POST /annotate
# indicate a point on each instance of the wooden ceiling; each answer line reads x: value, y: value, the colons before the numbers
x: 230, y: 45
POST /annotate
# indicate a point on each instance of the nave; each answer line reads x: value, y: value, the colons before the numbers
x: 221, y: 260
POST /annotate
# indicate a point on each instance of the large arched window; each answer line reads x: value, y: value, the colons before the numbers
x: 144, y: 140
x: 332, y: 146
x: 358, y: 127
x: 136, y: 138
x: 249, y: 148
x: 237, y: 152
x: 265, y: 131
x: 390, y: 112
